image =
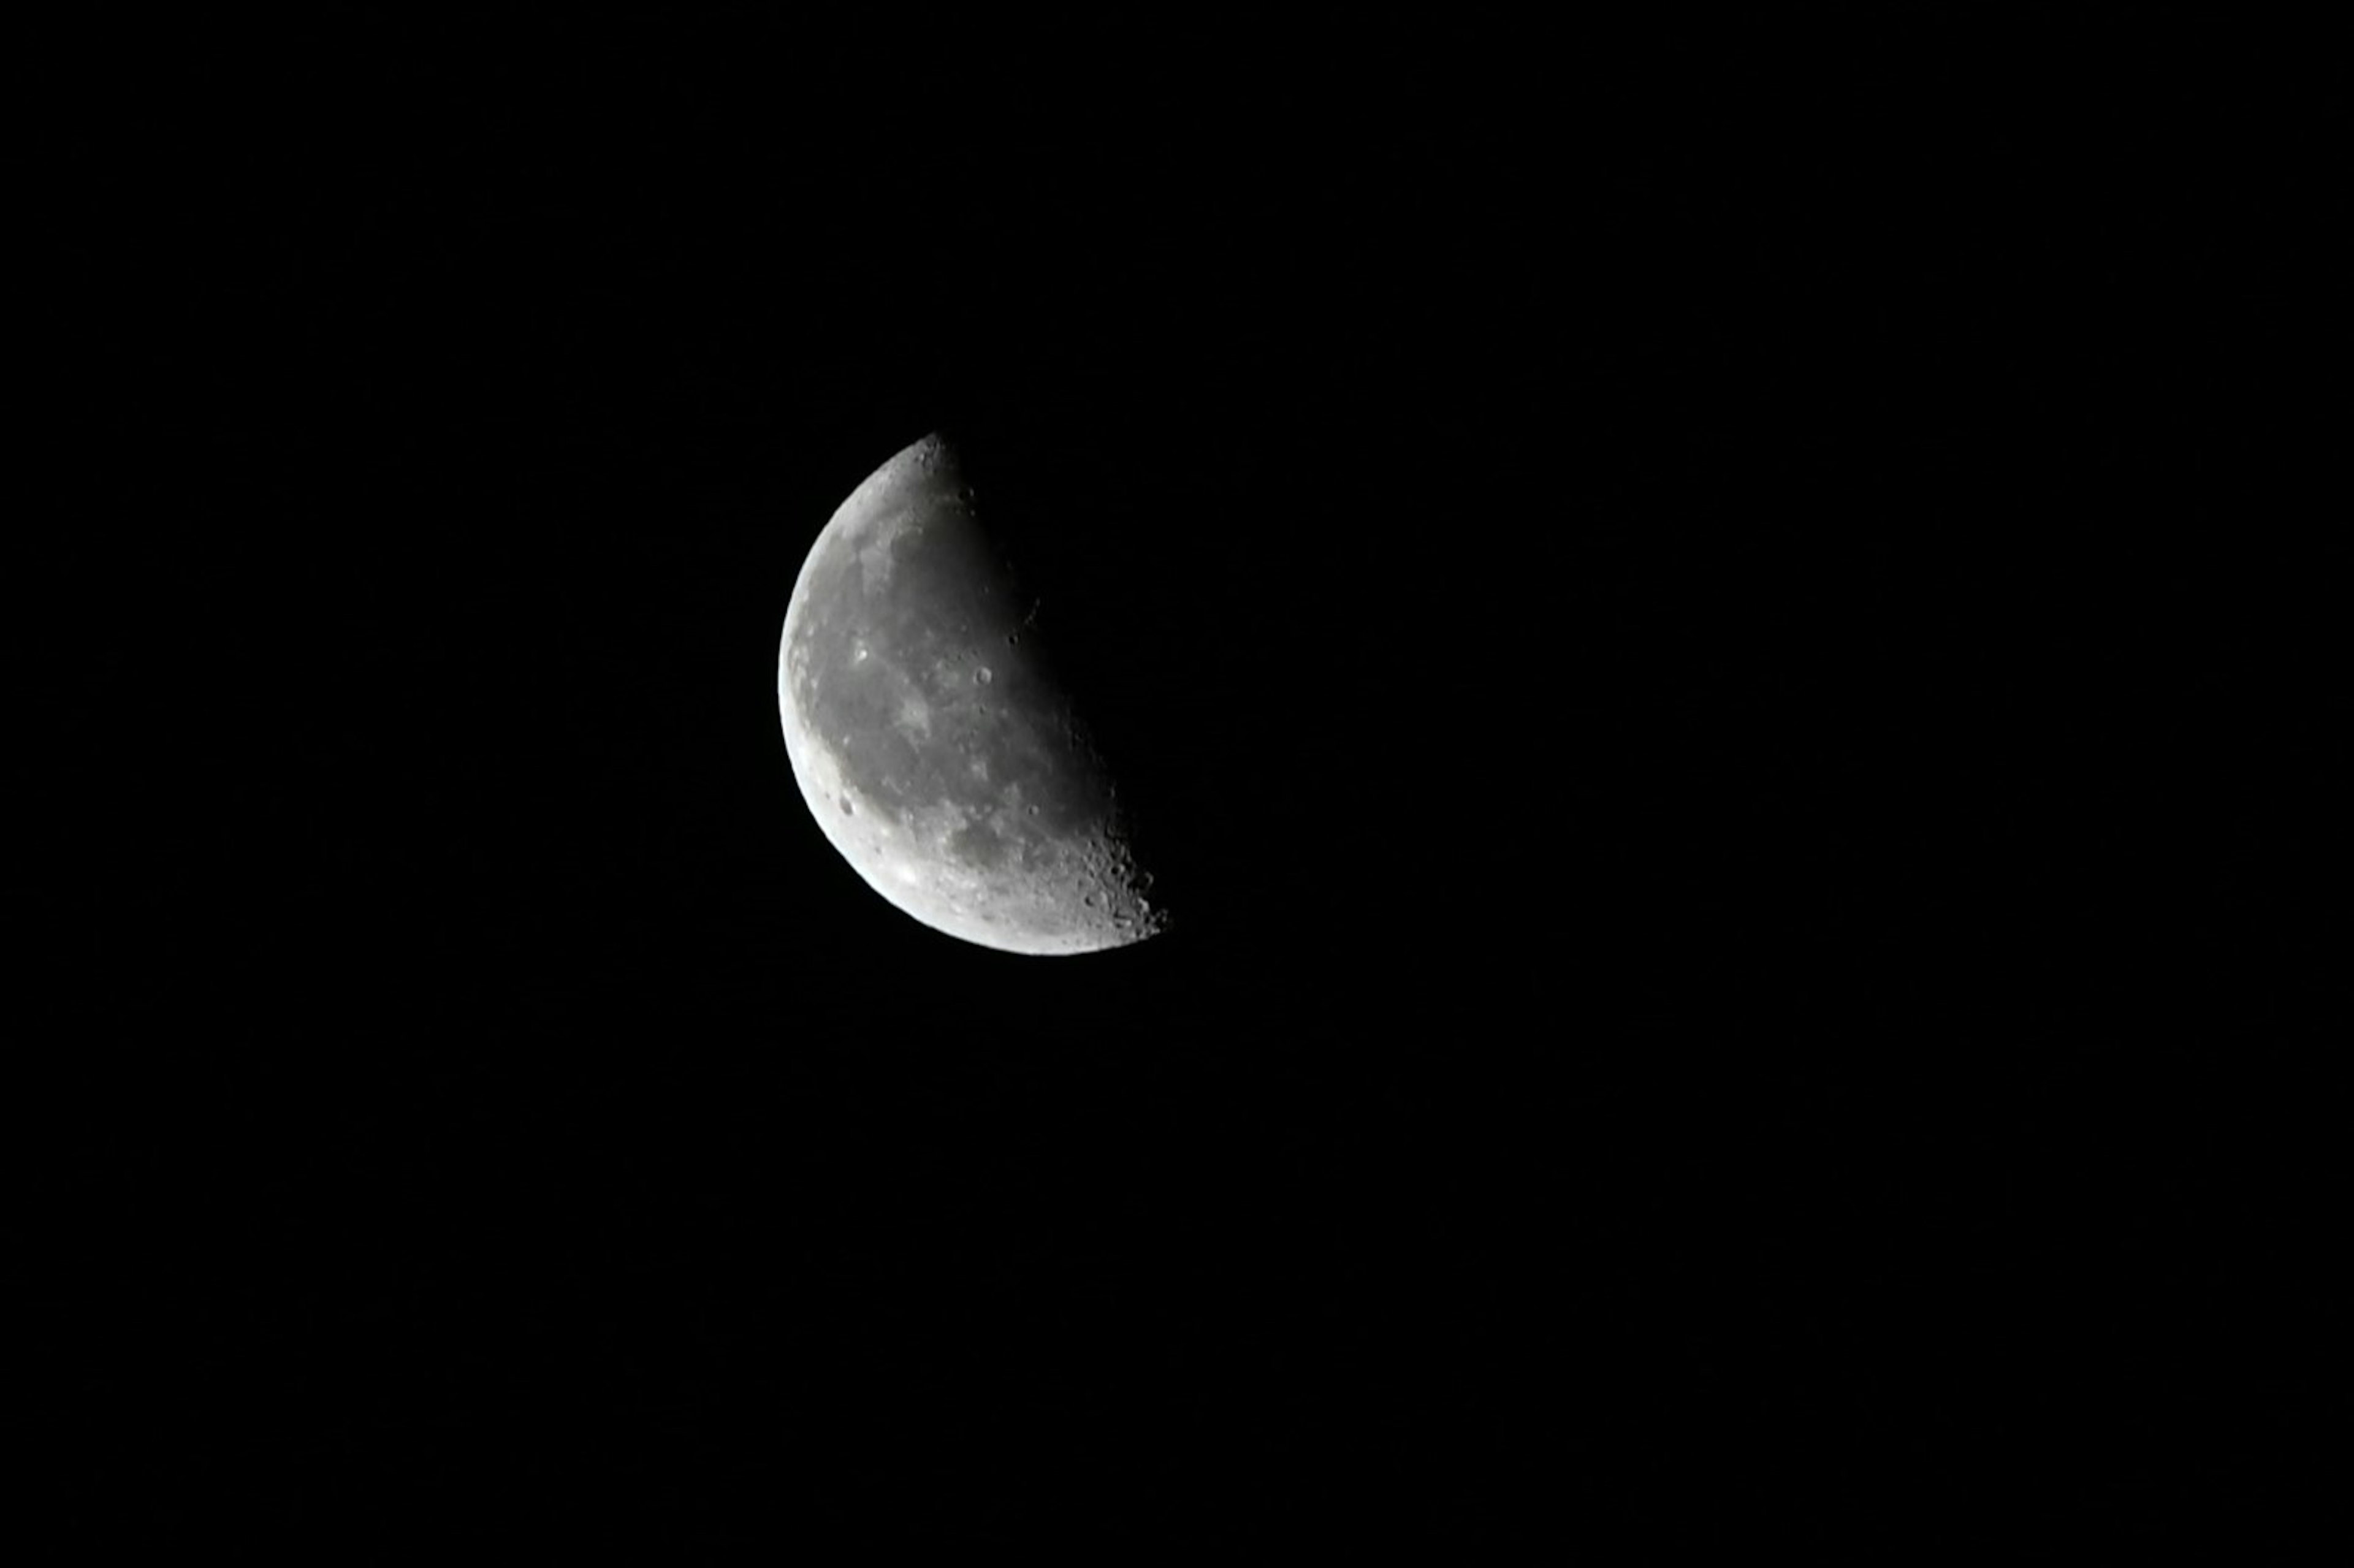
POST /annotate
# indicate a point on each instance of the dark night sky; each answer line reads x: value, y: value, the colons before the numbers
x: 1726, y: 688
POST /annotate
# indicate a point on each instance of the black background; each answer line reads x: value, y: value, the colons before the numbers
x: 1725, y: 678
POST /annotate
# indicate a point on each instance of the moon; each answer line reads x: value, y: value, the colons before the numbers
x: 932, y: 742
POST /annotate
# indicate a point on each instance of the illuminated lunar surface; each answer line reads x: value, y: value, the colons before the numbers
x: 931, y: 744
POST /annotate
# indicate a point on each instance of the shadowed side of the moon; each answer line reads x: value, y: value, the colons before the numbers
x: 930, y: 739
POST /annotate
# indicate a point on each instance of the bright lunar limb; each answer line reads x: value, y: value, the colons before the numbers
x: 931, y: 745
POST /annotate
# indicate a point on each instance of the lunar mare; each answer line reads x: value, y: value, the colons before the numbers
x: 932, y: 747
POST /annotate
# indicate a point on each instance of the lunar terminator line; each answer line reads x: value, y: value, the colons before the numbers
x: 932, y: 744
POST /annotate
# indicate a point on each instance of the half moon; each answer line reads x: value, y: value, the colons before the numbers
x: 930, y: 740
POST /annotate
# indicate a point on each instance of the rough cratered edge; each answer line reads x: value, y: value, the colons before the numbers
x: 936, y: 756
